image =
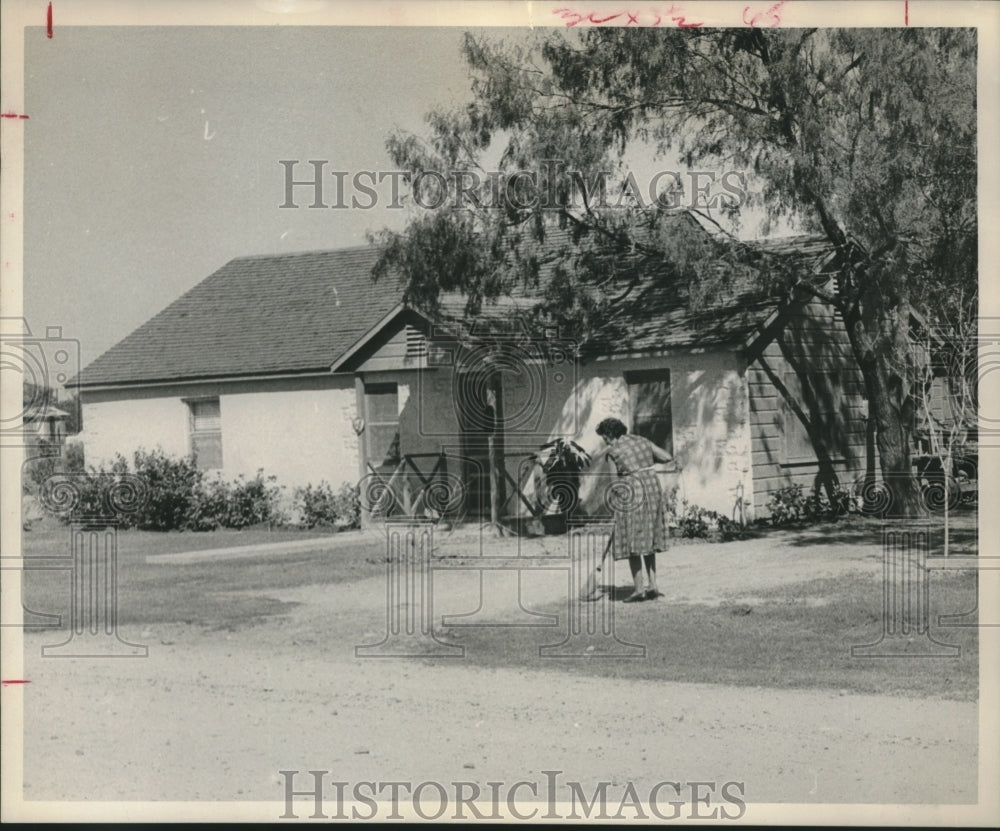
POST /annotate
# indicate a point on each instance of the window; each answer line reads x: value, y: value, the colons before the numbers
x: 382, y: 424
x: 649, y: 397
x: 205, y: 424
x: 819, y: 397
x: 940, y: 401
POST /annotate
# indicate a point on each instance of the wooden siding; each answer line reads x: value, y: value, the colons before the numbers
x: 805, y: 391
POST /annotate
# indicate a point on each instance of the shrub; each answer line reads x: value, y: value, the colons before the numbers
x: 173, y: 486
x: 788, y: 505
x: 670, y: 500
x: 314, y: 505
x: 693, y: 521
x: 74, y: 458
x: 319, y: 505
x: 729, y: 529
x: 46, y: 462
x: 254, y: 502
x: 178, y: 496
x: 239, y: 504
x: 348, y: 507
x: 843, y: 501
x: 211, y: 506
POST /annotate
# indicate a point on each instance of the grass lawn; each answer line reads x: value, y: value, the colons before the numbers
x: 797, y: 636
x: 792, y: 636
x: 212, y: 594
x: 50, y: 537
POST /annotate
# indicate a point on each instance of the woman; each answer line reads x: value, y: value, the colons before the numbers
x: 640, y: 521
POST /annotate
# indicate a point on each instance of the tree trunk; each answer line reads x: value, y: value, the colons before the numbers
x: 498, y: 490
x: 879, y: 338
x: 871, y: 432
x: 893, y: 407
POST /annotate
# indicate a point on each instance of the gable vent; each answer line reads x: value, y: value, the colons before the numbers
x: 416, y: 343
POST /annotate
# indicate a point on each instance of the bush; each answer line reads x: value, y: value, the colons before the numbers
x: 348, y: 507
x: 254, y: 502
x: 211, y: 506
x: 239, y: 504
x: 729, y: 529
x: 47, y: 461
x: 181, y: 497
x: 693, y: 521
x: 788, y: 505
x: 670, y: 500
x: 319, y: 505
x: 74, y: 458
x: 178, y: 496
x: 173, y: 486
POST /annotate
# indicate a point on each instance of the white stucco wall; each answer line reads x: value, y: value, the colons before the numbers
x: 301, y: 431
x: 126, y: 425
x: 709, y: 414
x: 300, y: 435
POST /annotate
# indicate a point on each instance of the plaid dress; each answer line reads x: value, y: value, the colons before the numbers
x: 640, y: 518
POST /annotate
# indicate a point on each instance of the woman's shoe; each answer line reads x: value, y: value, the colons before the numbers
x: 635, y: 598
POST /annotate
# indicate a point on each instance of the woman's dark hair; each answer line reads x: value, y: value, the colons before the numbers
x: 611, y: 428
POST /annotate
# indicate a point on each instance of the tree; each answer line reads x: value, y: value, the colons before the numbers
x: 949, y: 408
x: 38, y: 399
x: 866, y: 136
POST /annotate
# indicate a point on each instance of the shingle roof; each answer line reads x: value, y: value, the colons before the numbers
x: 808, y: 252
x: 299, y: 313
x: 285, y: 313
x: 658, y: 312
x: 663, y: 316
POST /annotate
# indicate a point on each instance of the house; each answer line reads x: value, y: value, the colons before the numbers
x: 299, y: 364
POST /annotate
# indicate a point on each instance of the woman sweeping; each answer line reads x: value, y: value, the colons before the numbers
x: 641, y: 524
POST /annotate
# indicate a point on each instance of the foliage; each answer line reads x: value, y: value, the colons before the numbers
x: 948, y: 412
x: 210, y: 506
x: 730, y: 529
x: 866, y: 136
x: 177, y: 495
x: 695, y: 522
x: 560, y: 462
x: 73, y: 457
x: 320, y: 505
x: 173, y: 485
x: 254, y: 502
x: 46, y: 461
x: 561, y: 455
x: 790, y: 506
x: 239, y: 504
x: 36, y: 398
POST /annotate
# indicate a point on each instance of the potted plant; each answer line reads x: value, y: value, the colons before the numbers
x: 560, y: 463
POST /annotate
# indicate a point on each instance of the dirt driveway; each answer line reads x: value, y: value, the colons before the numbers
x: 215, y: 715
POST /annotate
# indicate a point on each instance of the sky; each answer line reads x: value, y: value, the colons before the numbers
x: 152, y: 154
